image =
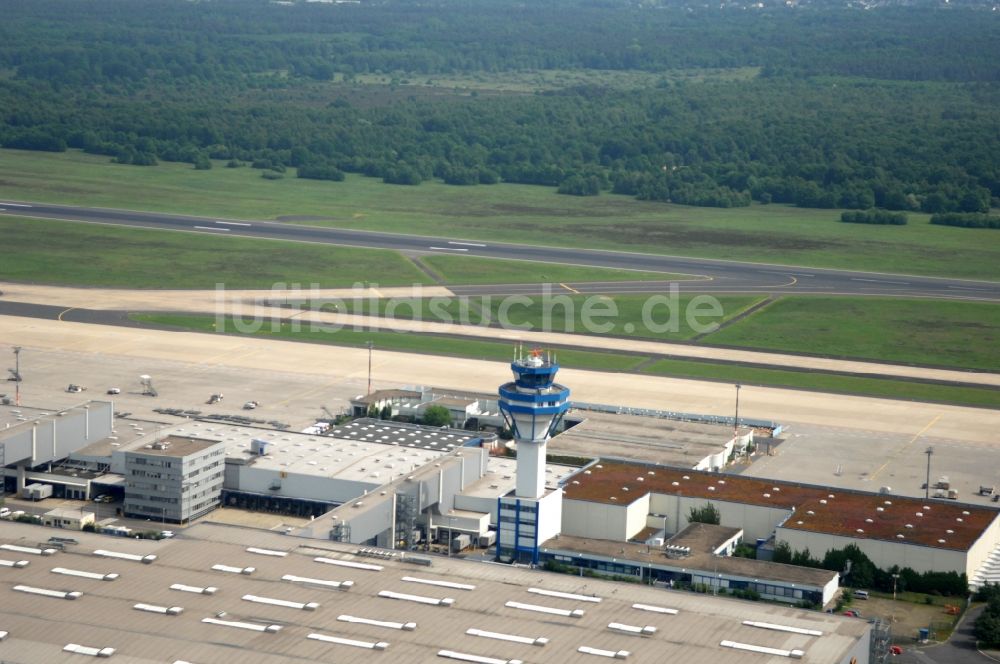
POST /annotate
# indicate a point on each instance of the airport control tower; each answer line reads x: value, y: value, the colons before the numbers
x: 532, y: 404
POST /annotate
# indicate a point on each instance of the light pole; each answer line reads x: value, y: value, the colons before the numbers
x: 927, y: 487
x: 736, y: 419
x: 371, y: 345
x: 17, y: 376
x: 894, y: 578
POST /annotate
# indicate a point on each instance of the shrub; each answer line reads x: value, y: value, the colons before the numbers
x: 880, y: 217
x: 965, y: 220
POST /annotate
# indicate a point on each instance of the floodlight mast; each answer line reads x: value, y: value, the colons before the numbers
x: 17, y: 376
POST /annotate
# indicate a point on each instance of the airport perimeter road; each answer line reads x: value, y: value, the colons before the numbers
x: 725, y: 276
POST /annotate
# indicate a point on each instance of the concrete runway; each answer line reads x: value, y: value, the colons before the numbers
x: 723, y: 276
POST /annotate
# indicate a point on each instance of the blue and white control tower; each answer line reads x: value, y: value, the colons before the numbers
x: 532, y: 406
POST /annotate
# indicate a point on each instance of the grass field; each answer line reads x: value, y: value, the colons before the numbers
x: 488, y: 350
x: 67, y: 253
x: 516, y: 213
x: 484, y: 350
x: 467, y: 270
x: 924, y: 332
x: 820, y: 382
x: 562, y: 312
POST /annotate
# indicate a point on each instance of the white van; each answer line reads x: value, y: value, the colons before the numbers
x: 860, y: 594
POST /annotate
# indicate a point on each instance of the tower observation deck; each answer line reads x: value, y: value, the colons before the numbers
x: 533, y: 405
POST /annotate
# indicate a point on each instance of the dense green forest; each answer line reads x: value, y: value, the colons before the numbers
x: 822, y: 105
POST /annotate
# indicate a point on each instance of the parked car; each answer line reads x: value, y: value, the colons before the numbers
x: 114, y: 390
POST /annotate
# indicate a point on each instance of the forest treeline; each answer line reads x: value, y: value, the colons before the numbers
x: 845, y: 111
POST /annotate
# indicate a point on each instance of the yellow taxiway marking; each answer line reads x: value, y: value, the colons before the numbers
x: 64, y: 311
x: 570, y: 289
x: 903, y: 448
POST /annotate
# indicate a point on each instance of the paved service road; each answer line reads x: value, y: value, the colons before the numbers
x: 723, y: 276
x: 959, y: 649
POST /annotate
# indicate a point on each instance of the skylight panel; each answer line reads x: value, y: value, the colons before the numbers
x: 111, y: 576
x: 302, y: 606
x: 763, y: 650
x: 88, y: 650
x: 568, y: 613
x: 28, y: 549
x: 407, y: 626
x: 643, y: 630
x: 561, y: 595
x: 376, y: 645
x: 349, y: 563
x: 513, y: 638
x: 147, y: 559
x: 165, y: 610
x: 255, y: 627
x: 266, y: 552
x: 477, y: 659
x: 655, y: 609
x: 443, y: 584
x: 338, y: 585
x: 234, y: 570
x: 45, y: 592
x: 420, y: 599
x: 209, y: 590
x: 614, y: 654
x: 14, y: 563
x: 783, y: 628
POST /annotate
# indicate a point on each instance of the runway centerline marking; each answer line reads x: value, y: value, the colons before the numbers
x: 882, y: 281
x: 232, y: 223
x: 212, y: 228
x: 467, y: 244
x: 570, y: 289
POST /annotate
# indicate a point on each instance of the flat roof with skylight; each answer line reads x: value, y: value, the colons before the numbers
x: 169, y: 604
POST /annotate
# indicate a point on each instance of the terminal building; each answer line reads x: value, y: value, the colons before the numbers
x: 400, y: 486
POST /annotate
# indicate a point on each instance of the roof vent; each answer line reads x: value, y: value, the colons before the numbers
x: 767, y: 495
